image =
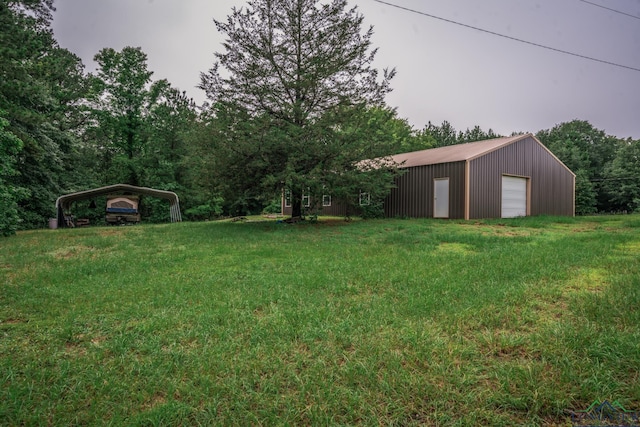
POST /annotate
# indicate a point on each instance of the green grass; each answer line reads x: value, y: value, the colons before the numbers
x: 395, y: 322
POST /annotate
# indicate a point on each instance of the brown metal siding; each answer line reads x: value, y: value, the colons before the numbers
x: 413, y: 195
x: 337, y: 208
x: 551, y: 184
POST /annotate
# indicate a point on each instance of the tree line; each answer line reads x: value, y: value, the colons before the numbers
x: 292, y: 102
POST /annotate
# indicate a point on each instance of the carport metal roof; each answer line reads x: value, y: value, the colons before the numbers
x: 63, y: 203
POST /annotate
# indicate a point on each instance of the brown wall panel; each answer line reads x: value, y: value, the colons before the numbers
x: 413, y: 195
x: 336, y: 209
x: 550, y: 183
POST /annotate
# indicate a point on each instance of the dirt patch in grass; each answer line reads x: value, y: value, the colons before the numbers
x: 98, y: 340
x: 581, y: 227
x: 587, y: 280
x: 75, y: 349
x: 550, y: 310
x: 501, y: 230
x: 71, y: 252
x: 115, y: 231
x: 155, y: 400
x: 502, y: 350
x: 455, y: 248
x: 12, y: 321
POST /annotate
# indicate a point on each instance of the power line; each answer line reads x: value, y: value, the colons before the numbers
x: 508, y: 37
x: 608, y: 8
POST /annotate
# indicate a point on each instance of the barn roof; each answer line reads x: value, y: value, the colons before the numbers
x: 454, y: 153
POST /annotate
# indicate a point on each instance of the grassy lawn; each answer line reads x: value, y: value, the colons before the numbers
x: 404, y: 322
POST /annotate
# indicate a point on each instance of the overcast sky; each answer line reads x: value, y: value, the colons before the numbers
x: 444, y: 71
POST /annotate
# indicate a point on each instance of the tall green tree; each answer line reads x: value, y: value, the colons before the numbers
x: 121, y: 96
x: 476, y: 134
x: 389, y: 134
x: 141, y: 127
x: 587, y: 151
x: 171, y: 123
x: 40, y: 88
x: 245, y: 153
x: 10, y: 146
x: 622, y: 178
x: 446, y: 134
x: 299, y: 73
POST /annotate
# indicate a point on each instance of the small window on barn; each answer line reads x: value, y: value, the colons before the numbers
x: 365, y: 199
x: 326, y: 198
x: 287, y: 198
x: 306, y: 200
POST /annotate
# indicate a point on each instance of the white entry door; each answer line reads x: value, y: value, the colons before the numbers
x: 514, y: 196
x: 441, y: 198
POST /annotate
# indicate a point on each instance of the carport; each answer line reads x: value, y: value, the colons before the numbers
x: 63, y: 203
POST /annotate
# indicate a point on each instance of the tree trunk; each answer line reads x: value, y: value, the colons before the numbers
x: 296, y: 207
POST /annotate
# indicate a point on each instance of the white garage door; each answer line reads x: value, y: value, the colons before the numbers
x: 514, y: 196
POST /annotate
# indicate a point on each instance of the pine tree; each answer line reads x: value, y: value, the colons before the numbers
x: 299, y: 73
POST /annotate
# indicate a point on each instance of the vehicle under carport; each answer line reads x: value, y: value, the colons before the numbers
x: 64, y: 203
